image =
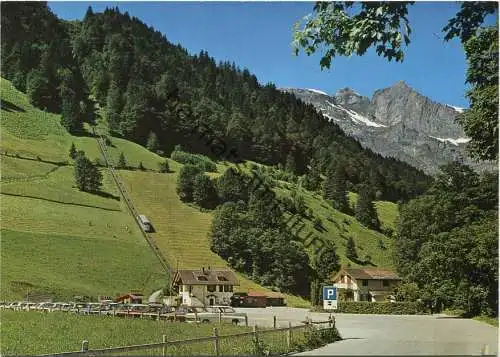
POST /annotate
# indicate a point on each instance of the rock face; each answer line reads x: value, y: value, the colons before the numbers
x: 397, y: 122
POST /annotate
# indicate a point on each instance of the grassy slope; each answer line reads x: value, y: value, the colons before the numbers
x: 182, y: 230
x: 69, y: 330
x: 55, y: 238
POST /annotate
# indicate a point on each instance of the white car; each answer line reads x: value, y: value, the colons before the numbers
x: 211, y: 314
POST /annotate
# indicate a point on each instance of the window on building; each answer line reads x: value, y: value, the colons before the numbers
x: 202, y: 278
x: 211, y: 288
x: 228, y: 288
x: 365, y: 283
x: 221, y: 278
x: 221, y: 287
x: 190, y: 288
x: 385, y: 282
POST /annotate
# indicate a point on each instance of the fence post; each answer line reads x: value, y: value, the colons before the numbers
x: 274, y: 321
x: 216, y: 341
x: 289, y: 336
x: 246, y: 320
x: 164, y: 349
x: 196, y: 316
x: 255, y: 337
x: 220, y: 316
x: 85, y: 346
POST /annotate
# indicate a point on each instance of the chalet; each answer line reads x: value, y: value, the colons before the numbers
x: 130, y: 298
x: 205, y: 286
x: 370, y: 284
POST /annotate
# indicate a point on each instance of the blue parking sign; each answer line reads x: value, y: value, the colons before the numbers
x: 329, y: 293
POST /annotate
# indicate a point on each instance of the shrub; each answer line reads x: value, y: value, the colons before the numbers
x: 202, y: 161
x: 318, y: 223
x: 122, y: 163
x: 388, y: 231
x: 163, y: 166
x: 385, y: 308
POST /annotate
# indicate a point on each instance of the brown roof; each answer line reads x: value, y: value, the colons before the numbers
x: 371, y: 274
x: 210, y: 276
x: 256, y: 294
x: 270, y: 294
x: 274, y: 295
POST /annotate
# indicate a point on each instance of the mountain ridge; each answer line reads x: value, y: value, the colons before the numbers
x: 397, y: 122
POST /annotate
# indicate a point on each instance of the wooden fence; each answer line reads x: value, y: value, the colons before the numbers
x: 163, y: 348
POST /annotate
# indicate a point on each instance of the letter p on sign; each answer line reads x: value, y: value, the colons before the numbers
x: 329, y: 293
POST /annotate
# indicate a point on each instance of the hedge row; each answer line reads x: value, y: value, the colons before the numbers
x: 382, y: 308
x: 203, y: 162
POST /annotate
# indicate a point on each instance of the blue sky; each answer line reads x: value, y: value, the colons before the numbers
x: 258, y: 36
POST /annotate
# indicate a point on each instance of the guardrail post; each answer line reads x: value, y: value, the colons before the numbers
x: 85, y: 346
x: 246, y: 320
x: 164, y: 349
x: 220, y: 316
x: 289, y: 336
x: 274, y: 321
x: 216, y: 341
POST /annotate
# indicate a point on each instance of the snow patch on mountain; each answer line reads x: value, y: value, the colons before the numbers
x: 316, y: 91
x: 452, y: 141
x: 356, y: 117
x: 458, y: 109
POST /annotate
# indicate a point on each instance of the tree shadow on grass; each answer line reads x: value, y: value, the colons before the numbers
x: 362, y: 262
x: 106, y: 195
x: 10, y: 107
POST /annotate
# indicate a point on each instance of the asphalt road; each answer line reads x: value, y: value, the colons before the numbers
x: 391, y: 334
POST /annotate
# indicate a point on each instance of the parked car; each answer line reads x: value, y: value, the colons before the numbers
x: 43, y: 306
x: 211, y: 314
x: 29, y: 306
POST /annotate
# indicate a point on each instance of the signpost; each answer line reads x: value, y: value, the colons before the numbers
x: 329, y: 297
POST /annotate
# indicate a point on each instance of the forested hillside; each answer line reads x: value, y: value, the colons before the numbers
x: 149, y: 87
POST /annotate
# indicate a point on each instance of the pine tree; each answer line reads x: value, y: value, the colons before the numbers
x: 290, y: 165
x: 122, y: 164
x: 163, y: 166
x: 366, y: 213
x: 152, y: 144
x: 72, y: 151
x: 36, y: 88
x: 328, y: 185
x: 339, y: 190
x: 70, y: 113
x: 113, y: 107
x: 88, y: 177
x: 351, y: 249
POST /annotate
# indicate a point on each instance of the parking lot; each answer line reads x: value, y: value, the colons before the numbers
x: 391, y: 334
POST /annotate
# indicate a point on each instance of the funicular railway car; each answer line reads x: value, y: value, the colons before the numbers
x: 145, y: 223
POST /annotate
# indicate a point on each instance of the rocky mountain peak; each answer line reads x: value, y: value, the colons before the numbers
x: 349, y: 98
